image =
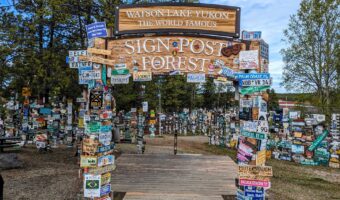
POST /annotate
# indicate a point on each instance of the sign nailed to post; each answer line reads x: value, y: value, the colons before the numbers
x: 201, y: 18
x: 196, y: 78
x: 97, y: 29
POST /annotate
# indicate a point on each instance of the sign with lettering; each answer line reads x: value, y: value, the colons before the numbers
x: 81, y: 71
x: 106, y: 160
x: 179, y: 18
x: 142, y: 76
x: 120, y: 79
x: 88, y: 161
x: 261, y: 157
x: 103, y: 149
x: 92, y: 185
x: 91, y: 75
x: 196, y: 78
x: 166, y: 54
x: 254, y: 192
x: 101, y: 170
x: 256, y: 82
x: 256, y: 183
x: 252, y: 76
x: 245, y: 170
x: 96, y: 99
x: 251, y: 35
x: 97, y: 29
x: 258, y: 136
x: 253, y: 89
x: 105, y: 138
x: 227, y: 72
x: 249, y: 59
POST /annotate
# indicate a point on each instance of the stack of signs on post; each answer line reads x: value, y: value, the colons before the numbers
x: 335, y: 142
x: 74, y: 61
x: 254, y: 176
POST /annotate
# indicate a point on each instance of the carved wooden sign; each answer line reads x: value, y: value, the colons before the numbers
x: 163, y: 54
x: 178, y: 18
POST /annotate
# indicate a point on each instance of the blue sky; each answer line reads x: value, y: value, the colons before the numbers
x: 271, y: 17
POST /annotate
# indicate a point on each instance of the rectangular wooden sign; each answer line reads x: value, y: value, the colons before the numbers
x: 178, y: 18
x: 165, y: 54
x: 245, y: 170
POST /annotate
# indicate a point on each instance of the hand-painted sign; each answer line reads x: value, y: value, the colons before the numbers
x: 120, y: 79
x: 245, y: 170
x: 106, y: 160
x: 249, y: 59
x: 196, y: 78
x: 88, y: 161
x: 106, y: 178
x: 96, y: 99
x: 105, y: 189
x: 253, y: 89
x: 97, y: 29
x: 101, y: 170
x: 92, y: 185
x: 256, y: 82
x: 255, y: 183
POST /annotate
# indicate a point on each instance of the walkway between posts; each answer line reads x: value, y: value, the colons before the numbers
x: 180, y: 177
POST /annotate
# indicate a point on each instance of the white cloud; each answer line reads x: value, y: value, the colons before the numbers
x: 271, y: 17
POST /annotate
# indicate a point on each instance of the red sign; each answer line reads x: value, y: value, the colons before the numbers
x: 256, y: 183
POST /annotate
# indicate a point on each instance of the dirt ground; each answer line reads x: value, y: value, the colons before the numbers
x: 55, y: 175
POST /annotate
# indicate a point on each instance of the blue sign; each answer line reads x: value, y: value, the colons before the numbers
x: 105, y: 129
x: 97, y: 29
x: 26, y: 111
x: 105, y: 189
x: 251, y: 35
x: 67, y: 59
x: 106, y: 148
x: 45, y: 111
x: 227, y: 72
x: 81, y: 70
x: 254, y: 192
x: 252, y: 76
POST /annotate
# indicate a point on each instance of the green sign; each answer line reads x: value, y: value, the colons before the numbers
x: 251, y: 90
x: 120, y: 72
x: 258, y: 136
x: 94, y: 127
x: 309, y: 162
x: 104, y: 74
x: 318, y: 141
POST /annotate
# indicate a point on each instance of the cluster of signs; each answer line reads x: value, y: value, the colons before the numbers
x: 305, y: 141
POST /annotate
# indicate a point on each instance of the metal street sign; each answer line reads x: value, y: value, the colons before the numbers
x: 258, y: 136
x: 252, y: 76
x: 253, y: 89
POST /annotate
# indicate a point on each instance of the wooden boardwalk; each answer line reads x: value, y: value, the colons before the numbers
x: 180, y: 177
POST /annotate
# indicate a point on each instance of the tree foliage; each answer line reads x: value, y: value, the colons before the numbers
x: 312, y: 56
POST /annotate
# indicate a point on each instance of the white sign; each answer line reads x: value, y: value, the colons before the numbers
x: 92, y: 185
x: 258, y: 126
x: 91, y: 75
x: 80, y: 100
x: 145, y: 106
x: 249, y: 59
x: 196, y: 78
x: 73, y: 58
x: 105, y: 138
x: 246, y: 103
x: 77, y: 53
x: 120, y: 79
x: 256, y: 82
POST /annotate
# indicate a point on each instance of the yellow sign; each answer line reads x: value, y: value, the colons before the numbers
x: 106, y: 178
x: 26, y: 92
x: 297, y: 134
x: 261, y: 157
x: 249, y: 170
x: 88, y: 161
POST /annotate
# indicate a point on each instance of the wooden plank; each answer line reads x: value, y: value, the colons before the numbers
x: 96, y: 59
x: 99, y: 51
x: 183, y: 176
